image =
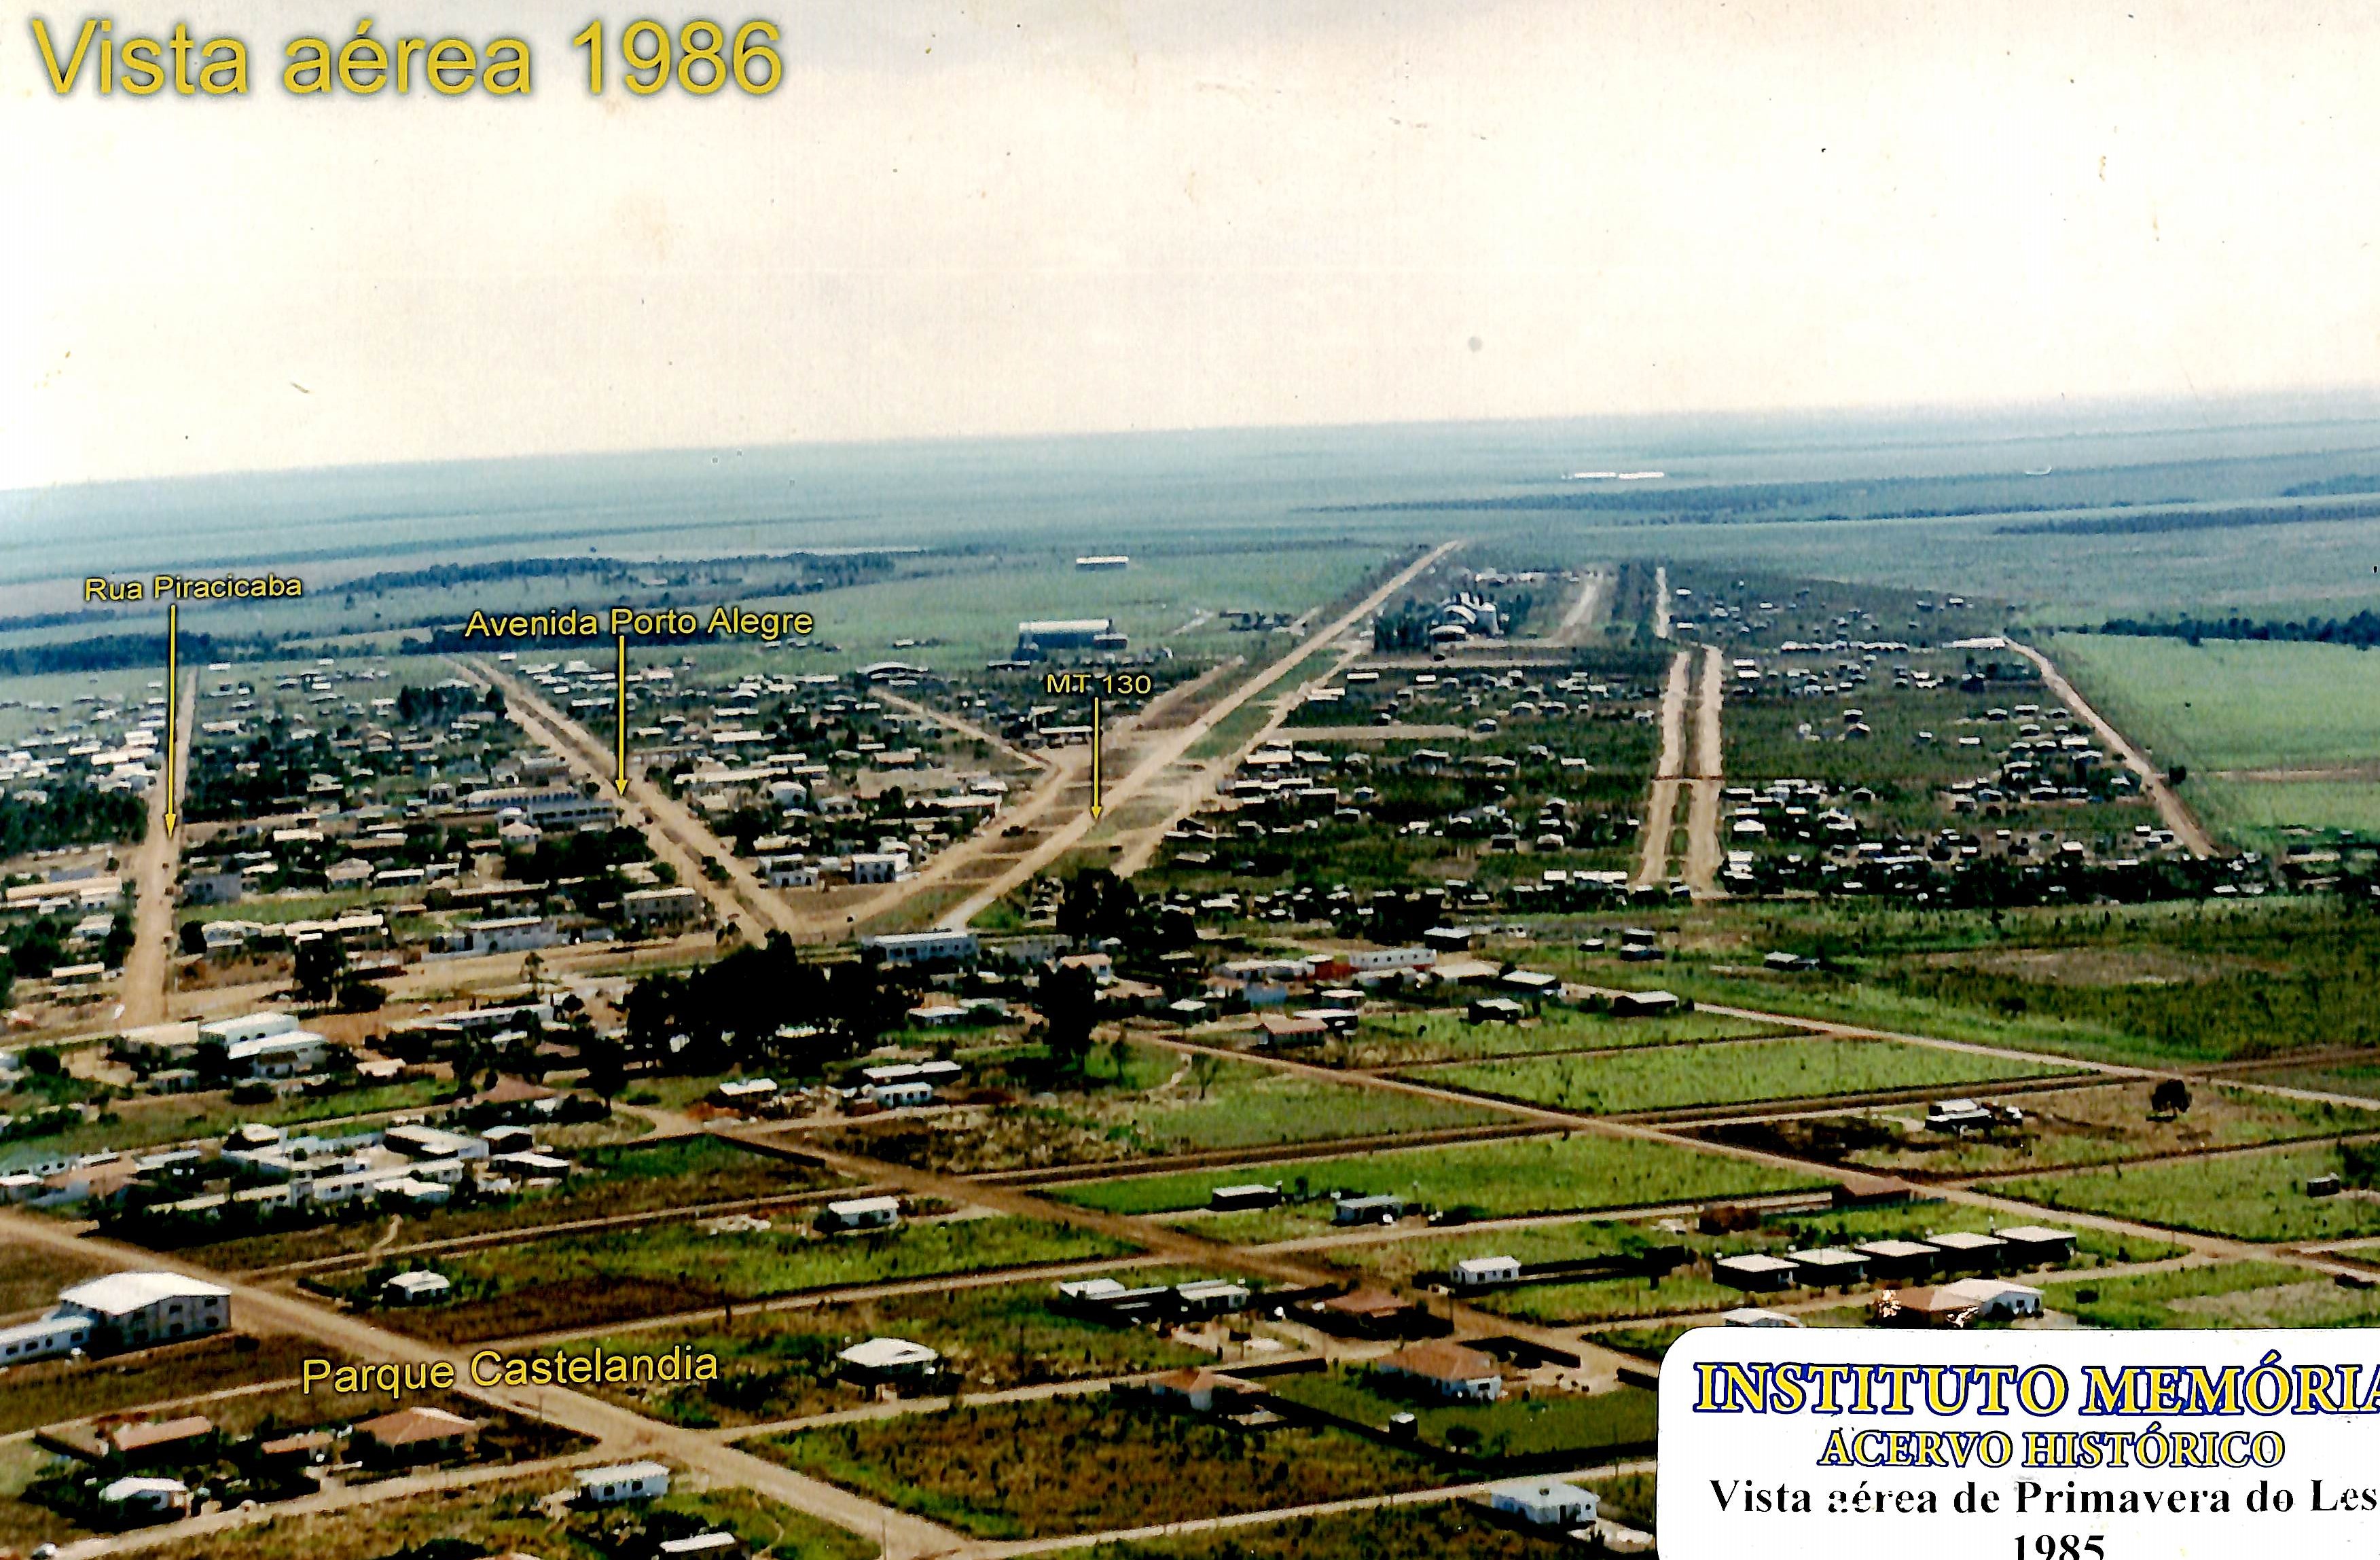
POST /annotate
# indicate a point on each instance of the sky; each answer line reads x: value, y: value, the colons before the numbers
x: 1045, y: 217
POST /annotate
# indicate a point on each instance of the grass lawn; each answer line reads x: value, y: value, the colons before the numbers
x: 781, y: 1364
x: 635, y: 1178
x: 1795, y: 1067
x: 1454, y: 1530
x: 1068, y: 1465
x: 1598, y: 1426
x: 1404, y: 1039
x: 2094, y: 1126
x: 2250, y: 1196
x: 618, y: 1276
x: 1576, y: 1172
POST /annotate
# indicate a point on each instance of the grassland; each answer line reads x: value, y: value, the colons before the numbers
x: 781, y: 1364
x: 587, y: 1280
x: 1244, y: 1104
x: 1068, y: 1465
x: 2255, y: 1196
x: 1404, y: 1039
x: 1590, y: 1427
x: 2231, y: 1294
x: 51, y: 1390
x: 2242, y: 716
x: 2086, y: 1126
x: 1454, y: 1530
x: 31, y: 1277
x: 1539, y: 1175
x: 1796, y: 1068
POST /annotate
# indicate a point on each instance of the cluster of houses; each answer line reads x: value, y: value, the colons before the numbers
x: 1970, y: 1267
x: 104, y: 742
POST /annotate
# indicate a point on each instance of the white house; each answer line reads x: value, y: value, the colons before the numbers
x: 890, y: 1360
x: 138, y: 1499
x: 1547, y: 1502
x: 412, y: 1288
x: 142, y: 1308
x: 1756, y: 1316
x: 908, y: 1091
x: 862, y: 1212
x: 48, y: 1338
x: 619, y: 1481
x: 1993, y: 1299
x: 1486, y: 1270
x: 285, y: 1055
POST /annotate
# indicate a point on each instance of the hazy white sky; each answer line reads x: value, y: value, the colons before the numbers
x: 1031, y: 217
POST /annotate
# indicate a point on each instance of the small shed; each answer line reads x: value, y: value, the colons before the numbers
x: 861, y: 1212
x: 1825, y: 1266
x: 1895, y: 1260
x: 2033, y: 1245
x: 1234, y: 1199
x: 1643, y: 1004
x: 1757, y: 1270
x: 1473, y: 1272
x: 614, y: 1482
x: 416, y: 1288
x: 890, y: 1360
x: 1546, y: 1503
x: 1755, y: 1316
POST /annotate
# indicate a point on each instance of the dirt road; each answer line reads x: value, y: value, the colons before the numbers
x: 1161, y: 751
x: 1703, y: 849
x: 2172, y: 808
x: 149, y: 967
x: 1588, y: 609
x: 1661, y: 807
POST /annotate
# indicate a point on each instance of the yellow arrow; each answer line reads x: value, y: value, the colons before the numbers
x: 1096, y: 808
x: 173, y: 703
x: 620, y: 776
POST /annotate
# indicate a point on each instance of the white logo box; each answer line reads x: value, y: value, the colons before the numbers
x: 1785, y: 1442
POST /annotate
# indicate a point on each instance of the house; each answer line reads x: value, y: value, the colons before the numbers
x: 1755, y: 1316
x: 648, y: 907
x: 49, y: 1338
x: 1958, y: 1115
x: 1825, y: 1266
x: 909, y: 1092
x: 1210, y: 1296
x: 1872, y: 1191
x: 1757, y: 1270
x: 890, y: 1360
x: 1494, y: 1009
x: 861, y: 1212
x: 1992, y: 1300
x: 1192, y: 1387
x: 287, y: 1055
x: 1372, y: 1313
x: 143, y: 1308
x: 1643, y: 1004
x: 1470, y: 1272
x: 162, y: 1442
x: 2033, y: 1245
x: 418, y: 1288
x: 925, y: 948
x: 1450, y: 1370
x: 1232, y: 1199
x: 619, y: 1481
x: 1969, y: 1251
x: 1546, y: 1501
x: 1283, y: 1030
x: 416, y: 1434
x: 1376, y: 1209
x: 1891, y: 1259
x: 717, y: 1545
x: 131, y: 1501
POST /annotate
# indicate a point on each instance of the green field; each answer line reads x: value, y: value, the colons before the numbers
x: 1069, y: 1464
x: 1207, y: 1105
x: 587, y: 1280
x: 1404, y: 1039
x: 2235, y: 712
x: 1539, y: 1175
x: 2231, y: 1294
x: 1797, y: 1068
x: 1591, y: 1428
x: 2250, y: 1196
x: 1453, y: 1531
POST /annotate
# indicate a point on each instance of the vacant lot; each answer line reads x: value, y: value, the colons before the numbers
x: 1797, y: 1068
x: 2357, y: 1080
x: 2231, y: 1294
x: 580, y: 1281
x: 504, y: 1518
x: 52, y: 1390
x: 1069, y: 1464
x: 781, y: 1364
x: 2252, y: 1196
x: 1577, y: 1172
x: 1213, y: 1103
x: 2094, y: 1126
x: 1453, y: 1530
x: 1406, y: 1038
x: 1593, y: 1428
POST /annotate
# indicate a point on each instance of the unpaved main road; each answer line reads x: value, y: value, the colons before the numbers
x: 2177, y: 816
x: 149, y: 967
x: 1661, y: 807
x: 1703, y: 849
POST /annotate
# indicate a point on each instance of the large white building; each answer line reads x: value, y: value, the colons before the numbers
x: 144, y: 1308
x: 924, y: 947
x: 545, y: 807
x: 48, y: 1338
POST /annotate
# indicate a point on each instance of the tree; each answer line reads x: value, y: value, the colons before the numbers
x: 320, y: 961
x: 607, y: 1071
x: 2171, y: 1097
x: 194, y: 936
x: 1070, y: 1010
